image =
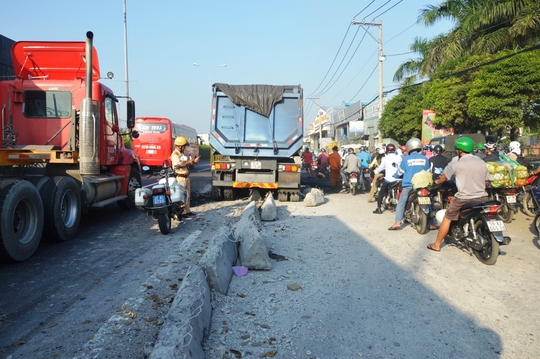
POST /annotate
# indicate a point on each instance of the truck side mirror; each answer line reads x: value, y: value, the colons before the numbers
x: 130, y: 122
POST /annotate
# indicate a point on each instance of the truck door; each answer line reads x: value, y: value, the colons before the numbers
x: 111, y: 128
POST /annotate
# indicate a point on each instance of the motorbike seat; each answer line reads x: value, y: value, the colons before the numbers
x: 480, y: 203
x: 395, y: 183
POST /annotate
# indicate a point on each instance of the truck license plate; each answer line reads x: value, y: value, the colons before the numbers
x: 424, y: 200
x: 511, y: 199
x: 158, y: 200
x: 496, y: 226
x: 256, y: 165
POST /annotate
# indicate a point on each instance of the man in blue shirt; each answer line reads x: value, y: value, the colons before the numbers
x: 365, y: 158
x: 413, y: 163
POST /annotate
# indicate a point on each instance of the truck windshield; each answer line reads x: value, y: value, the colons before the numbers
x: 48, y: 104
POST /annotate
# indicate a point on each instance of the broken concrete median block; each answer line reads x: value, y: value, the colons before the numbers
x: 268, y: 209
x: 218, y: 259
x: 252, y: 251
x: 314, y: 198
x: 188, y: 320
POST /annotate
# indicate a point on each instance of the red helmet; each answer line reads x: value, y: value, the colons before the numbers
x: 390, y: 148
x: 403, y: 148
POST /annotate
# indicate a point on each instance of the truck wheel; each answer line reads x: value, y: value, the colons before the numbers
x: 21, y: 220
x: 61, y: 198
x: 134, y: 183
x: 295, y: 197
x: 217, y: 193
x: 228, y: 192
x: 282, y: 196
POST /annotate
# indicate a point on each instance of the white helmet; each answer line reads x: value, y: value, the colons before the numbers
x: 439, y: 216
x: 515, y: 147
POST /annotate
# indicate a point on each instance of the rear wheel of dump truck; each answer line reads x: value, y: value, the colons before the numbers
x: 228, y: 192
x: 134, y: 183
x: 282, y: 196
x: 295, y: 197
x: 61, y: 198
x: 21, y: 220
x: 217, y: 193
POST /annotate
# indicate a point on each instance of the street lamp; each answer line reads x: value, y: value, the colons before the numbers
x: 209, y: 72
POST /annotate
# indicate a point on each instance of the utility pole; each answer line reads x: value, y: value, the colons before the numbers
x: 320, y: 122
x: 381, y: 57
x: 126, y: 54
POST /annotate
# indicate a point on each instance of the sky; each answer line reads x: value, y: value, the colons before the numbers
x: 280, y: 42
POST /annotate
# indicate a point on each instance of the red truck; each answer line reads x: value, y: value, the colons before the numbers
x: 62, y: 151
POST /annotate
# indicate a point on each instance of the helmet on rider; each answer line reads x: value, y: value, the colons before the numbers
x: 414, y: 144
x: 479, y: 146
x: 379, y: 150
x: 403, y: 148
x: 350, y: 150
x: 490, y: 146
x: 437, y: 149
x: 514, y: 146
x: 465, y: 144
x: 390, y: 148
x: 180, y: 141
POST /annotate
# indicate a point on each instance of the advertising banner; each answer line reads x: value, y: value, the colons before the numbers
x: 429, y: 130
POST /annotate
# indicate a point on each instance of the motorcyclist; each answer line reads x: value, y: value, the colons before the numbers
x: 351, y: 164
x: 322, y: 160
x: 480, y: 150
x: 492, y: 155
x: 413, y: 163
x: 389, y: 164
x: 471, y: 175
x: 514, y: 149
x: 376, y: 162
x: 438, y: 162
x: 181, y: 164
x: 365, y: 158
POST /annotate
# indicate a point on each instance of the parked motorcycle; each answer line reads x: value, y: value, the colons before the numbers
x: 165, y: 201
x: 479, y: 229
x: 417, y: 209
x: 508, y: 199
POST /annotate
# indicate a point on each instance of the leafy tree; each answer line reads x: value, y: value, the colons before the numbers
x: 402, y: 116
x: 505, y: 94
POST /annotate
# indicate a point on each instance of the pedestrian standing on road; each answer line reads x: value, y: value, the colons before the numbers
x: 334, y: 160
x: 413, y: 163
x: 181, y: 164
x: 471, y: 175
x: 389, y: 165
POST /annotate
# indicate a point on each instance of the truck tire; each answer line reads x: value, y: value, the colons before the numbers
x: 61, y: 197
x: 295, y: 197
x: 134, y: 183
x: 228, y: 192
x: 21, y: 220
x: 217, y: 193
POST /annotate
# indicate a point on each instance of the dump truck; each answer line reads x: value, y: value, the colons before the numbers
x: 62, y: 151
x: 256, y: 134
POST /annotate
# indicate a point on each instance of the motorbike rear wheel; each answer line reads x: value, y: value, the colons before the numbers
x: 490, y: 252
x: 527, y: 204
x: 505, y: 212
x: 164, y: 222
x: 537, y: 224
x: 353, y: 189
x: 420, y: 219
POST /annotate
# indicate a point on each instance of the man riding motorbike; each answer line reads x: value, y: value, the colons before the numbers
x: 389, y: 164
x: 471, y: 175
x: 351, y: 164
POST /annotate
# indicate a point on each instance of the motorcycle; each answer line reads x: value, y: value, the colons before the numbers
x: 318, y: 170
x: 508, y: 199
x: 417, y: 209
x: 526, y: 197
x: 479, y: 229
x: 352, y: 180
x: 366, y: 178
x: 391, y: 198
x: 165, y: 201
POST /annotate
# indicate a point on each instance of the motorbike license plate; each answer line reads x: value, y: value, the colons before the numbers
x: 354, y: 180
x: 256, y: 165
x: 158, y: 200
x: 424, y: 200
x: 496, y: 226
x: 366, y: 175
x: 511, y: 199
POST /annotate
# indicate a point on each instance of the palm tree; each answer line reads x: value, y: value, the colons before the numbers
x: 482, y: 26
